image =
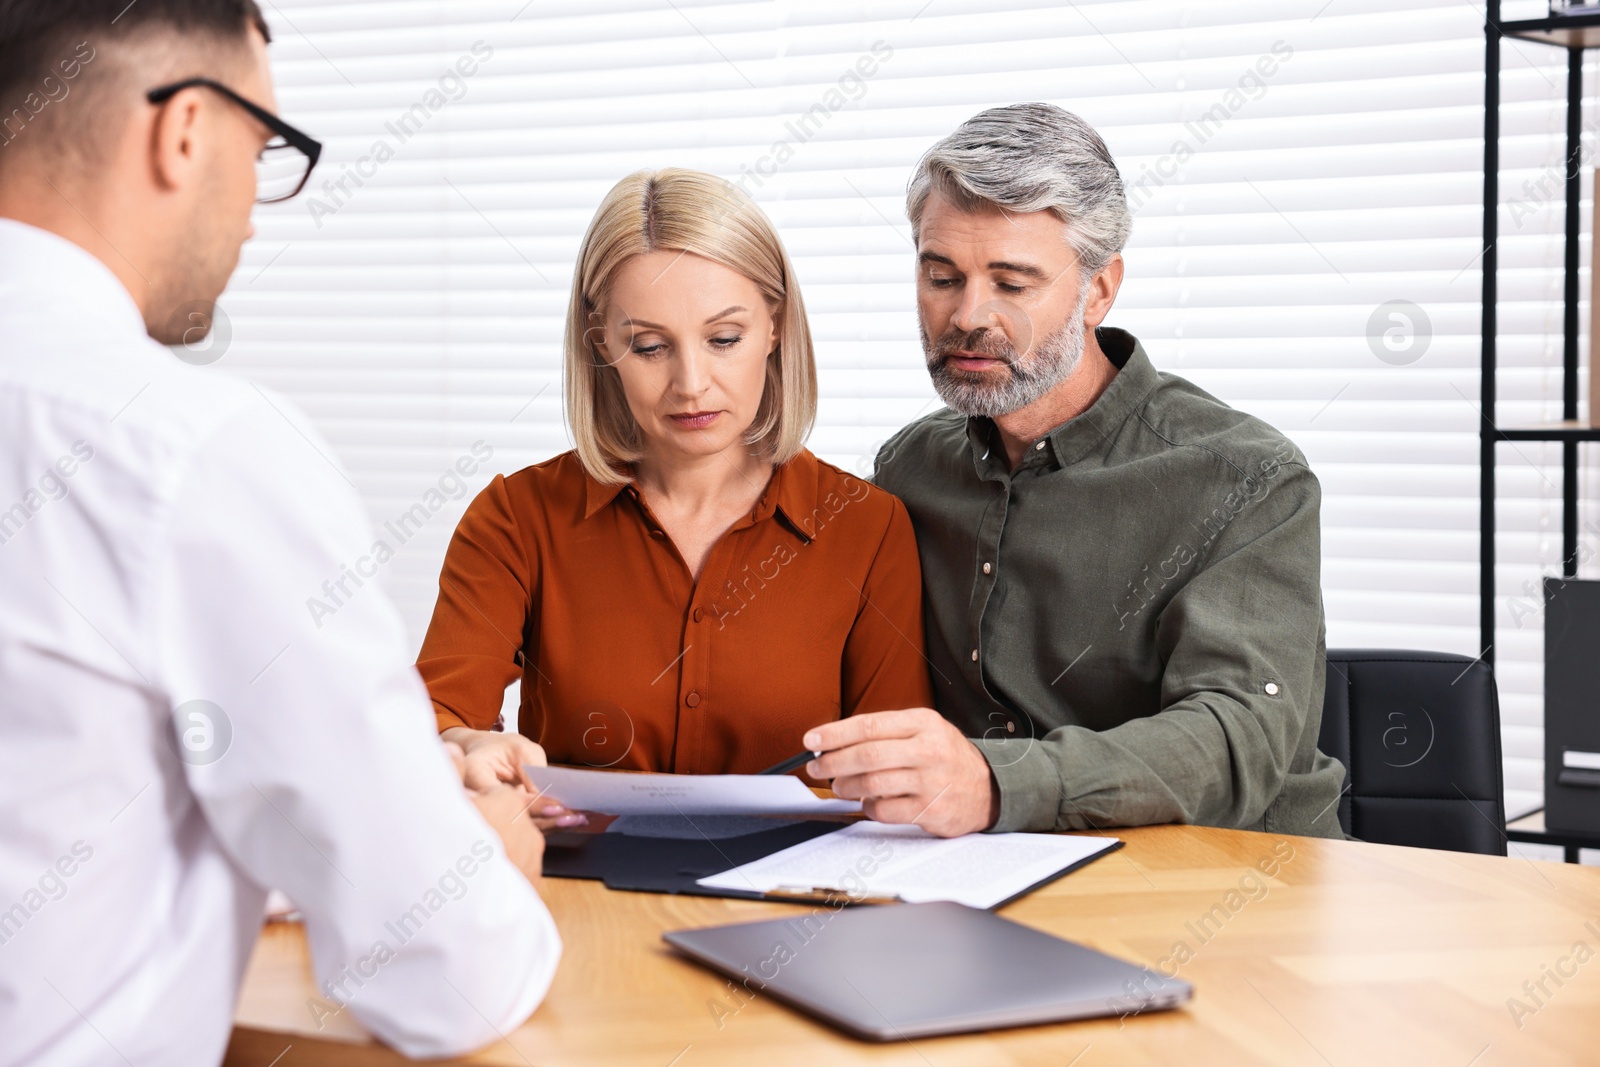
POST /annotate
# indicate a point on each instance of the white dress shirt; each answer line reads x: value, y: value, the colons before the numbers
x: 161, y: 528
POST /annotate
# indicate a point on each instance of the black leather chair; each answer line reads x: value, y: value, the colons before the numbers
x: 1419, y: 735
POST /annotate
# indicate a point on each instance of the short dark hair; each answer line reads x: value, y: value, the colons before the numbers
x: 35, y: 35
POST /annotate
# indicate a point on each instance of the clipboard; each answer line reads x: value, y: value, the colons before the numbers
x: 871, y: 862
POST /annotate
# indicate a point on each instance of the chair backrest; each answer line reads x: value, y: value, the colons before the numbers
x: 1419, y: 735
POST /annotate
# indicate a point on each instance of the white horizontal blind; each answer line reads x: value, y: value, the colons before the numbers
x: 1294, y: 166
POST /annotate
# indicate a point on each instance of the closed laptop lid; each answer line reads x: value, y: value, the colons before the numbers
x: 909, y: 970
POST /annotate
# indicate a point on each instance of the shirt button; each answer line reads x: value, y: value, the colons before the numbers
x: 1039, y: 447
x: 974, y: 655
x: 1271, y: 689
x: 693, y: 699
x: 987, y: 568
x: 697, y: 614
x: 657, y: 534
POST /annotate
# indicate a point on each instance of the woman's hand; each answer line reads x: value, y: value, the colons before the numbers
x: 489, y: 761
x: 493, y: 758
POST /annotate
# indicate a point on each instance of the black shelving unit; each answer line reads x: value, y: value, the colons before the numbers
x: 1531, y: 830
x: 1575, y: 33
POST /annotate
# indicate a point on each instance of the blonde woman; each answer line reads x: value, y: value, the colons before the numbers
x: 689, y: 589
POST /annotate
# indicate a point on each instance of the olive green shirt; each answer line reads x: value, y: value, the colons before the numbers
x: 1129, y: 624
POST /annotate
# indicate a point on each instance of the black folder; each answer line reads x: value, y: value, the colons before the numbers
x: 674, y: 857
x: 670, y: 864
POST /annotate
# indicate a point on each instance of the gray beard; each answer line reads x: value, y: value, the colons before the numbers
x: 1025, y: 380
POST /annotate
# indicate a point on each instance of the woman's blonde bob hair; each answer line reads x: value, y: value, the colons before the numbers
x: 682, y: 211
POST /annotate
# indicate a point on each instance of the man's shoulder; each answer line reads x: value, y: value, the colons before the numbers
x: 193, y: 405
x: 1183, y: 415
x: 945, y: 427
x: 919, y: 447
x: 135, y: 390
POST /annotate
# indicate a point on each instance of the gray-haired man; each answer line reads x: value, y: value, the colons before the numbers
x: 1121, y: 573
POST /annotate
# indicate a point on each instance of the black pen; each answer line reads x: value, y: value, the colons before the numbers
x: 793, y: 763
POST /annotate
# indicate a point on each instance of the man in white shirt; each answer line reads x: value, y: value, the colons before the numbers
x: 176, y: 735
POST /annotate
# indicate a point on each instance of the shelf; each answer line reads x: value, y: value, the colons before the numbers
x: 1530, y: 830
x: 1564, y: 31
x: 1576, y: 33
x: 1566, y: 430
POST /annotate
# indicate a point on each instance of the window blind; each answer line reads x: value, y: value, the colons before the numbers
x: 1306, y: 181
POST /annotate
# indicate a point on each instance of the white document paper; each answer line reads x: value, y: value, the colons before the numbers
x: 872, y: 859
x: 613, y: 793
x: 697, y: 827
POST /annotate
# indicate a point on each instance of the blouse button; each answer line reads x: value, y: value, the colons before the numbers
x: 657, y: 534
x: 697, y: 614
x: 693, y: 699
x: 987, y: 568
x: 1039, y: 447
x: 974, y: 655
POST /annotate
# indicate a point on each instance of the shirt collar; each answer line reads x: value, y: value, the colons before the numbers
x: 598, y: 494
x: 46, y: 275
x: 1092, y: 429
x: 792, y: 491
x: 793, y: 494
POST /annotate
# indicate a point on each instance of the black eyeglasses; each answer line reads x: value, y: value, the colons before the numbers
x: 284, y: 166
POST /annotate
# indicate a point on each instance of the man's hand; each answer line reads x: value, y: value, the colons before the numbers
x: 908, y: 766
x: 515, y: 814
x: 506, y: 809
x: 494, y: 757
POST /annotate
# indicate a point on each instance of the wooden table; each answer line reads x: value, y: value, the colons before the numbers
x: 1352, y: 954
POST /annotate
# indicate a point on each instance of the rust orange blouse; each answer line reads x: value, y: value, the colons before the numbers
x: 808, y: 609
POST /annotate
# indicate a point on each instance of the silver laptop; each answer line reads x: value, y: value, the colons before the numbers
x: 914, y: 970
